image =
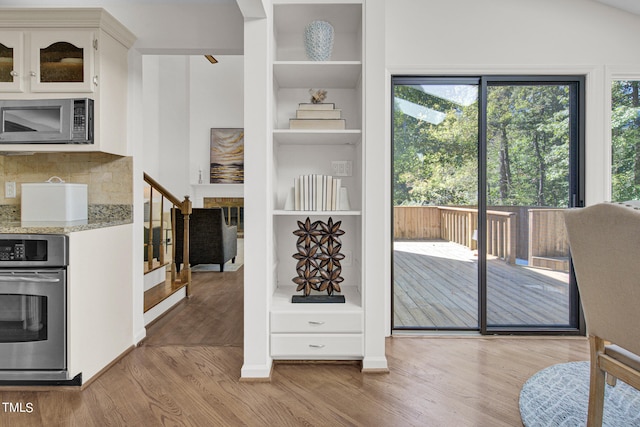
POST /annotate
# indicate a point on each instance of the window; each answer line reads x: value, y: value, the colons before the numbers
x: 625, y: 140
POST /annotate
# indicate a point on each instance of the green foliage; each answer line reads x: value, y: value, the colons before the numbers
x: 625, y: 141
x: 527, y: 148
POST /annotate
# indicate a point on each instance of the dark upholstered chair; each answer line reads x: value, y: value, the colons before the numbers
x: 211, y: 240
x: 605, y: 246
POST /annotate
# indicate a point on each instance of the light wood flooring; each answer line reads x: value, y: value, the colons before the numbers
x: 186, y: 374
x: 436, y: 285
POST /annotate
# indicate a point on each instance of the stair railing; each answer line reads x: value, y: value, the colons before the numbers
x: 186, y: 209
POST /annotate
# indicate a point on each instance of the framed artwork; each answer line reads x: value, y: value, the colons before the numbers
x: 227, y: 156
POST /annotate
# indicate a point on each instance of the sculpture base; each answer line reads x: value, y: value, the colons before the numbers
x: 318, y: 299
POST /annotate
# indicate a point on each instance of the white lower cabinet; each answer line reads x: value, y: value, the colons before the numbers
x: 316, y: 323
x: 316, y: 346
x: 317, y: 331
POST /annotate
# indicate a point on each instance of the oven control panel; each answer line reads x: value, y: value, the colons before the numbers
x: 10, y: 251
x: 29, y: 250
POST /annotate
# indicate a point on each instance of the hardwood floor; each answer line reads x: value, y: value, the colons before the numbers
x: 186, y: 374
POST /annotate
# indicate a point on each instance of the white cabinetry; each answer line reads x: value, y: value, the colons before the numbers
x: 47, y: 61
x: 68, y: 53
x: 316, y: 331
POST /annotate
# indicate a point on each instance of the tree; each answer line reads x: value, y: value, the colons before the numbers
x: 436, y: 161
x: 625, y: 139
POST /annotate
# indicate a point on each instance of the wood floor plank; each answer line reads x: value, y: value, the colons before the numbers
x: 187, y: 374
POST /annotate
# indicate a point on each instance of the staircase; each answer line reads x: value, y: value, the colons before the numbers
x: 163, y: 287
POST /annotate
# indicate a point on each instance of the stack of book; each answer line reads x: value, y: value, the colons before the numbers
x: 317, y: 116
x: 316, y: 193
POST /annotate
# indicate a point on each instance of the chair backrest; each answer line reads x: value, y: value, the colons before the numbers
x: 605, y: 248
x: 205, y: 232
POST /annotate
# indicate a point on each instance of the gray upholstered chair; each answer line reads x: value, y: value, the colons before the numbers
x: 211, y: 240
x: 605, y: 247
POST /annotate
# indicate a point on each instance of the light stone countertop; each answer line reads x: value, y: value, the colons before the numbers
x: 100, y: 216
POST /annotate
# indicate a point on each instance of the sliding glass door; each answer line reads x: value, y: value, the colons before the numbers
x: 482, y: 169
x: 435, y: 203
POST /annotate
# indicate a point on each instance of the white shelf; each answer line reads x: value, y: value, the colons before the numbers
x: 282, y: 212
x: 282, y: 300
x: 317, y: 137
x: 317, y: 74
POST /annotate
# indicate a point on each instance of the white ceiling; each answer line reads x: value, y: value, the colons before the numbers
x: 632, y: 6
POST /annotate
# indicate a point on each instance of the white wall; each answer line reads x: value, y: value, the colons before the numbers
x: 184, y: 97
x: 216, y: 101
x: 151, y: 109
x: 466, y: 37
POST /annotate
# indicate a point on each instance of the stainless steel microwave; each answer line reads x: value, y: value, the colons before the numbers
x: 46, y: 121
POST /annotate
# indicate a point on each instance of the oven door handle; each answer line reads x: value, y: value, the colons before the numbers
x: 28, y: 279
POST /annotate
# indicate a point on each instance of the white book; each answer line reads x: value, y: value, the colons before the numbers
x: 318, y: 114
x: 324, y: 192
x: 296, y: 193
x: 305, y: 193
x: 312, y: 192
x: 318, y: 124
x: 334, y: 194
x: 318, y: 106
x: 318, y: 198
x: 329, y: 192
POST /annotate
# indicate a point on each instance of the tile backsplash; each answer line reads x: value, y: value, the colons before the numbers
x: 109, y: 178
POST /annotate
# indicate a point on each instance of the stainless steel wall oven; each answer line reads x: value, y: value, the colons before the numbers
x: 33, y: 313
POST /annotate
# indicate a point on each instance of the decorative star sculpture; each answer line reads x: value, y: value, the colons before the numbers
x: 318, y: 256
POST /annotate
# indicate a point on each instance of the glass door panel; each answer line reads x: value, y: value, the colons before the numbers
x: 625, y: 140
x: 62, y: 62
x: 530, y: 141
x: 435, y: 188
x: 6, y: 63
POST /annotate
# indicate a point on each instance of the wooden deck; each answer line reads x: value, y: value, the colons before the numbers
x: 435, y: 286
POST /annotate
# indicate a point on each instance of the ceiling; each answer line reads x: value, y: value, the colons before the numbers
x: 632, y: 6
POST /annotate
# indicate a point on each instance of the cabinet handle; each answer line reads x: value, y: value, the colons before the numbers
x: 316, y: 345
x: 32, y: 73
x: 315, y: 322
x: 14, y: 73
x: 95, y: 80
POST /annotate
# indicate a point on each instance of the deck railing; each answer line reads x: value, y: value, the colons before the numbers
x: 501, y: 235
x: 185, y: 207
x: 458, y: 225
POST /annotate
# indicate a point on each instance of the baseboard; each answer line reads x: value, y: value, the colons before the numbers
x: 88, y: 382
x: 140, y: 336
x: 256, y: 373
x: 375, y: 365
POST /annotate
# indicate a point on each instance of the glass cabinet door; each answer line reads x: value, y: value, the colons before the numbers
x: 62, y: 61
x: 11, y: 54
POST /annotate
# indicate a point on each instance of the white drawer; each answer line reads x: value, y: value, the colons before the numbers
x: 315, y: 322
x: 316, y: 346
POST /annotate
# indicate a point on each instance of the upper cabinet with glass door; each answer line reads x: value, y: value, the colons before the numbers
x: 47, y: 61
x: 68, y: 53
x: 11, y: 61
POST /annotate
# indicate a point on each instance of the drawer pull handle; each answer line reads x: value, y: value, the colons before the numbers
x: 315, y: 322
x: 316, y: 345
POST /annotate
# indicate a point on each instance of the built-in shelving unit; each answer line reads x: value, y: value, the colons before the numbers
x: 313, y: 330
